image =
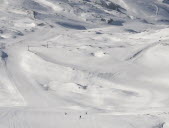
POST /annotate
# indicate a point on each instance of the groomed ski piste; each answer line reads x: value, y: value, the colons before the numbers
x: 84, y: 63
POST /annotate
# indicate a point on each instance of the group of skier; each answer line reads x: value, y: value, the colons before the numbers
x: 79, y: 116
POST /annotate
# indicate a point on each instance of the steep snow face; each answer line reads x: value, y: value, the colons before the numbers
x: 150, y: 10
x: 98, y: 11
x: 78, y: 15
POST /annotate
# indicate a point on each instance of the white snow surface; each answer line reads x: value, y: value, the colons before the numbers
x: 84, y: 63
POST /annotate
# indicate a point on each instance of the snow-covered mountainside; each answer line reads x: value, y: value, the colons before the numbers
x: 84, y: 63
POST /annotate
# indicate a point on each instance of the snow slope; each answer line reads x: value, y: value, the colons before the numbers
x: 84, y: 63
